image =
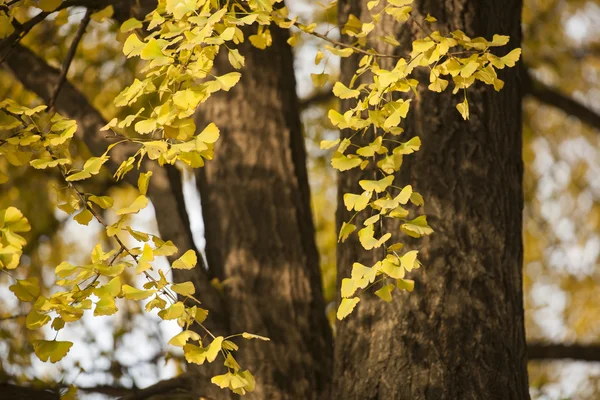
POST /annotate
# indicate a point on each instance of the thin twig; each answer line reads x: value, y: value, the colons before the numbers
x: 69, y: 57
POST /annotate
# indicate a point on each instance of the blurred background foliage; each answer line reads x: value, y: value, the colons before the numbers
x: 561, y: 51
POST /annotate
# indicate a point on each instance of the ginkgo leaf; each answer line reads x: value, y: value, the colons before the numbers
x: 345, y: 231
x: 36, y: 320
x: 197, y: 355
x: 184, y: 289
x: 173, y: 312
x: 377, y: 186
x: 132, y: 293
x: 385, y: 293
x: 346, y: 307
x: 250, y: 336
x: 102, y: 201
x: 463, y: 109
x: 236, y: 60
x: 367, y: 240
x: 390, y: 267
x: 417, y: 227
x: 181, y: 339
x: 49, y: 5
x: 187, y: 261
x: 139, y: 203
x: 405, y: 284
x: 103, y: 14
x: 328, y: 144
x: 143, y: 182
x: 229, y: 80
x: 84, y: 217
x: 51, y: 350
x: 348, y: 287
x: 357, y: 202
x: 343, y: 163
x: 409, y: 260
x: 91, y: 167
x: 26, y: 289
x: 343, y: 92
x: 130, y: 25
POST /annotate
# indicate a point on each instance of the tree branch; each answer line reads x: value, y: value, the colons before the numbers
x: 165, y: 186
x: 181, y: 384
x: 579, y: 352
x: 69, y: 57
x: 15, y: 392
x: 553, y: 97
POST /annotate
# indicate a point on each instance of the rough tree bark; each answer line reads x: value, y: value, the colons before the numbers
x: 460, y: 334
x: 259, y: 229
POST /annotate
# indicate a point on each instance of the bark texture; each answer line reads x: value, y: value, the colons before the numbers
x: 259, y: 229
x: 460, y: 334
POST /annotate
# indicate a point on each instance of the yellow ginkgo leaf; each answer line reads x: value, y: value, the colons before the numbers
x: 346, y: 307
x: 250, y: 336
x: 181, y: 339
x: 343, y: 92
x: 51, y: 349
x: 26, y: 289
x: 385, y: 293
x: 377, y: 186
x: 345, y: 231
x: 184, y: 289
x: 187, y: 261
x: 173, y: 312
x: 367, y: 240
x: 138, y: 204
x: 132, y: 293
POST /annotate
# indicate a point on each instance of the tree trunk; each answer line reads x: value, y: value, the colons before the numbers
x: 259, y: 228
x: 460, y: 334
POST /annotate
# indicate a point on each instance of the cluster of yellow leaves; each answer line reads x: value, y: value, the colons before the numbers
x: 381, y: 104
